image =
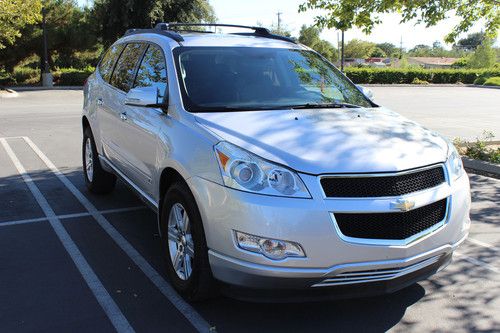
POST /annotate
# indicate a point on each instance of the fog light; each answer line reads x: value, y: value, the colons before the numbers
x: 272, y: 248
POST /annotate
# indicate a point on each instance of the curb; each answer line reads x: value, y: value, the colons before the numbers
x: 482, y: 167
x: 46, y: 88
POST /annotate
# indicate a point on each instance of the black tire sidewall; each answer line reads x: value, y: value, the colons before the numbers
x: 190, y: 288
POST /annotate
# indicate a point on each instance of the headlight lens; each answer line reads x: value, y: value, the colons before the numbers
x: 245, y: 171
x: 454, y: 162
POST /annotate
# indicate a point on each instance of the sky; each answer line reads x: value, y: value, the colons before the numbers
x: 251, y: 12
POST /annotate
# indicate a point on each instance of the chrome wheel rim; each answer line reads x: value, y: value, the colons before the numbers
x: 180, y: 241
x: 89, y: 160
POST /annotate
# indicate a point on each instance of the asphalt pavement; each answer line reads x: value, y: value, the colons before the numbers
x: 74, y: 261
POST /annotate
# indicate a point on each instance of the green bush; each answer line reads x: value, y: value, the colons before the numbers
x: 493, y: 81
x: 72, y: 76
x: 480, y: 80
x: 481, y: 149
x: 401, y: 75
x: 26, y: 75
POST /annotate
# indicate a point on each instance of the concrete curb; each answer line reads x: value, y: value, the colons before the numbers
x: 482, y: 167
x: 46, y: 88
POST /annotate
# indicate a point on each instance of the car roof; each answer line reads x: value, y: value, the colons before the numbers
x: 229, y: 39
x: 193, y: 38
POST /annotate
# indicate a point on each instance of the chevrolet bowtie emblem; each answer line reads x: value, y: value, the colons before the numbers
x: 403, y: 205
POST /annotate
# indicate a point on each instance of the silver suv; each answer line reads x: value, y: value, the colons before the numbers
x: 268, y: 168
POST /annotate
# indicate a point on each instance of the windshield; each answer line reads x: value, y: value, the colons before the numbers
x: 244, y: 78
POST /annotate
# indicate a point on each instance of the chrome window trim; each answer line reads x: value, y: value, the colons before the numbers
x: 394, y: 242
x: 381, y: 174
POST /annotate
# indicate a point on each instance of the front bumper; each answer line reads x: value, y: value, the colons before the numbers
x: 309, y: 222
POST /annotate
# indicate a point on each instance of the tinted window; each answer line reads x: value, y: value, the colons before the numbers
x: 216, y: 78
x: 108, y: 61
x: 153, y: 71
x: 124, y: 72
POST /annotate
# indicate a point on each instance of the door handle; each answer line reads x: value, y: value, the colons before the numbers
x: 99, y: 101
x: 123, y: 116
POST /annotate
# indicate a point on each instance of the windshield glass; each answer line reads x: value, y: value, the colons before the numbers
x: 244, y: 78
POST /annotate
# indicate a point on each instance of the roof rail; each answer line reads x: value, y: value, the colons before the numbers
x: 170, y: 34
x: 258, y: 31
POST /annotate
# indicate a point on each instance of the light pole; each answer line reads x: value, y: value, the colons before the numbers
x: 342, y: 54
x: 47, y: 80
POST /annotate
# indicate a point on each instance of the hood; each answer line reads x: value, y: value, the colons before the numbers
x: 318, y: 141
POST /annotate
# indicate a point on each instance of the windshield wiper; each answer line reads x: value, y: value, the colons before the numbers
x: 324, y: 106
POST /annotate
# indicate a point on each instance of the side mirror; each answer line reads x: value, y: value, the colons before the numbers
x: 365, y: 91
x: 144, y: 96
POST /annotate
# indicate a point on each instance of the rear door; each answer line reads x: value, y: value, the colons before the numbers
x: 113, y: 117
x: 139, y: 138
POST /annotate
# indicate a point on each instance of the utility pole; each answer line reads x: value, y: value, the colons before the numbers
x: 401, y: 48
x: 342, y: 54
x: 279, y: 21
x: 46, y: 75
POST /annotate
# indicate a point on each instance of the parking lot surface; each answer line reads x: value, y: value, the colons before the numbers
x: 73, y: 261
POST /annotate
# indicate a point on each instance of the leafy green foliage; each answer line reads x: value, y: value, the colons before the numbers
x: 471, y: 42
x: 460, y: 63
x: 15, y: 15
x: 113, y: 17
x: 480, y: 149
x: 378, y: 53
x: 389, y: 49
x: 397, y: 75
x: 346, y: 14
x: 357, y: 48
x: 493, y: 81
x: 483, y: 57
x: 310, y: 36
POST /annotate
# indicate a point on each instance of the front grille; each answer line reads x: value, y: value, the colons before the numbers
x: 397, y: 226
x: 382, y: 186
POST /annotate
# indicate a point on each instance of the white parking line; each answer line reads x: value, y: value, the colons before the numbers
x: 166, y: 289
x: 483, y: 244
x: 107, y: 303
x: 70, y: 216
x: 477, y: 262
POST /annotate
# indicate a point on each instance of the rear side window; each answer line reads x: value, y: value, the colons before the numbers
x: 125, y: 69
x: 152, y: 71
x: 108, y: 61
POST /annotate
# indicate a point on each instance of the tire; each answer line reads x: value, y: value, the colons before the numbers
x: 199, y: 284
x: 97, y: 179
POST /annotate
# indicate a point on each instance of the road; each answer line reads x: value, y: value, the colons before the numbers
x: 452, y: 111
x: 73, y: 261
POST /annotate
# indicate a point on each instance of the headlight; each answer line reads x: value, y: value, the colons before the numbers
x: 454, y: 163
x: 245, y: 171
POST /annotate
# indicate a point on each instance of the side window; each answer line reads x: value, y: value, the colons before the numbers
x: 108, y: 61
x: 124, y: 72
x: 153, y: 70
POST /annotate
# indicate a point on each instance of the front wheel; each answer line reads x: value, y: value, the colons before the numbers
x: 185, y: 248
x: 96, y: 178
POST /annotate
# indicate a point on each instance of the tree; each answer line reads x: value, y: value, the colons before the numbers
x: 378, y: 53
x: 346, y: 14
x: 483, y: 57
x: 357, y: 48
x: 114, y: 17
x: 309, y: 36
x: 389, y: 49
x: 420, y: 50
x: 471, y: 42
x: 15, y: 15
x: 69, y: 30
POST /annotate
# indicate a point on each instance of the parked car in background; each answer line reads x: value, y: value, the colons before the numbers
x: 268, y: 168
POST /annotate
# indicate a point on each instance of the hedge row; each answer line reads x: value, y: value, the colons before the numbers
x: 72, y: 76
x: 399, y: 75
x: 31, y: 76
